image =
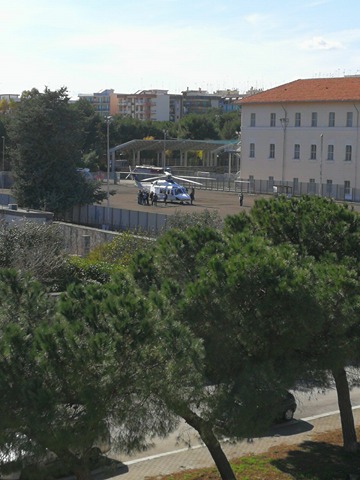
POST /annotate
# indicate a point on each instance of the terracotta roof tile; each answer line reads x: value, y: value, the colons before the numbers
x: 345, y: 89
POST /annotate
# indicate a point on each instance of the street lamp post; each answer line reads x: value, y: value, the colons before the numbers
x: 321, y: 161
x: 164, y: 156
x: 238, y: 154
x: 284, y: 123
x: 3, y: 163
x: 108, y: 171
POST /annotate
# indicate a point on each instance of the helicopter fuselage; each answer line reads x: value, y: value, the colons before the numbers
x: 175, y: 193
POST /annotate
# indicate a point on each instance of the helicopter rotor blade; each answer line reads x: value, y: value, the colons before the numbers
x: 202, y: 178
x: 187, y: 180
x: 154, y: 178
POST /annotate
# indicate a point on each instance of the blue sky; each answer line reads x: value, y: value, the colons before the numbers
x: 130, y: 45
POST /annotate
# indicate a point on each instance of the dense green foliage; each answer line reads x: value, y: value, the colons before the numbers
x: 82, y: 270
x: 206, y: 323
x: 327, y: 235
x: 181, y: 221
x: 275, y: 297
x: 46, y: 138
x: 121, y: 249
x: 73, y: 368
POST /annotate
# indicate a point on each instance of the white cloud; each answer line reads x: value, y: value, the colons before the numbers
x: 319, y: 43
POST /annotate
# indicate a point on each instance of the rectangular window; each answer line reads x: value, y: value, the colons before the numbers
x: 252, y: 150
x: 347, y: 189
x: 332, y: 119
x: 251, y: 183
x: 329, y: 187
x: 297, y: 119
x: 313, y: 152
x: 330, y: 154
x: 252, y: 120
x: 295, y: 185
x: 297, y: 151
x: 272, y: 150
x: 312, y: 186
x: 348, y: 151
x: 314, y: 118
x: 272, y: 119
x: 349, y: 119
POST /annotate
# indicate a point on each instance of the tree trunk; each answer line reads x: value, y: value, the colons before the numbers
x: 79, y: 466
x: 82, y: 472
x: 212, y: 444
x: 346, y: 413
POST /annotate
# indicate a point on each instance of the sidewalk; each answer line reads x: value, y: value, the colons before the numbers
x: 164, y: 463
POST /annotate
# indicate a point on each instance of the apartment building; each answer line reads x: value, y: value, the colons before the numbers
x: 304, y: 131
x: 99, y: 100
x: 144, y: 105
x: 199, y: 101
x: 159, y: 105
x: 229, y: 100
x: 176, y: 107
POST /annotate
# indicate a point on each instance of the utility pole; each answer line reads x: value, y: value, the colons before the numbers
x: 164, y: 155
x: 3, y: 163
x: 321, y: 161
x: 108, y: 171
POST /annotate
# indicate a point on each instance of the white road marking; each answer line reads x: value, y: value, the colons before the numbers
x: 322, y: 415
x: 181, y: 450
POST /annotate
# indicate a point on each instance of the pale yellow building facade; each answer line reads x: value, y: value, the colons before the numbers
x: 306, y: 131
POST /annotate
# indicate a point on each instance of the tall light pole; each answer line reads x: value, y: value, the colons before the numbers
x: 108, y: 170
x: 3, y: 163
x: 238, y: 148
x: 321, y: 161
x: 284, y: 123
x: 164, y: 159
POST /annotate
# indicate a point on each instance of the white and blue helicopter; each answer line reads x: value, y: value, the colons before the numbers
x: 164, y: 185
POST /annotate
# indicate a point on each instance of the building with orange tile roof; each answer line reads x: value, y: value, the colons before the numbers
x: 304, y: 132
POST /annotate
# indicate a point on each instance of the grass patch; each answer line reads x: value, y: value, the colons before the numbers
x: 322, y: 458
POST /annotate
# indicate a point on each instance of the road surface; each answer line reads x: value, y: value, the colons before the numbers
x: 310, y: 404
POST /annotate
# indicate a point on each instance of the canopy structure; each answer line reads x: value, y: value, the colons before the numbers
x: 210, y: 149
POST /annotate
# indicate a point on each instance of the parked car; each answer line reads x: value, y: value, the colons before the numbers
x: 288, y: 407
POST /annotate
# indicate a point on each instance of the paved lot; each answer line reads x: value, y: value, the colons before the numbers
x: 224, y: 202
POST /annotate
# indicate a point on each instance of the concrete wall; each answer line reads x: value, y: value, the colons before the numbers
x: 11, y: 213
x: 79, y: 240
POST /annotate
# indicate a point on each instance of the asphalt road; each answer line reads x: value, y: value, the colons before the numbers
x: 310, y: 404
x: 316, y: 403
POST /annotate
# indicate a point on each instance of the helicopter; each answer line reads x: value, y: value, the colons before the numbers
x: 164, y: 185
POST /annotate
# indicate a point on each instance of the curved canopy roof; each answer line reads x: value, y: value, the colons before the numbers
x: 178, y: 144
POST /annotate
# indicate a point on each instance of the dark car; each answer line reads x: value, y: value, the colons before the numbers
x: 288, y: 407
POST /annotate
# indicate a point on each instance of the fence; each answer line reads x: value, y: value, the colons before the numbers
x: 116, y: 219
x: 97, y: 216
x: 232, y: 183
